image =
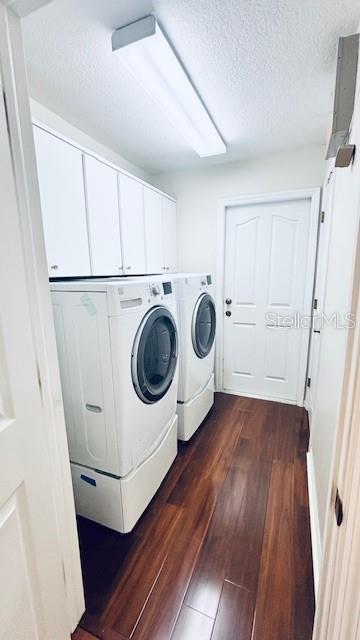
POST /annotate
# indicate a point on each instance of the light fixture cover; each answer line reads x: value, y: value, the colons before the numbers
x: 149, y: 57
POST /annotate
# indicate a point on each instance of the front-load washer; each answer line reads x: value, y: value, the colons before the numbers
x: 197, y: 326
x: 118, y: 349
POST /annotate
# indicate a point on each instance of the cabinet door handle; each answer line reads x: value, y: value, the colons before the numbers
x: 127, y: 268
x: 54, y: 267
x: 228, y: 301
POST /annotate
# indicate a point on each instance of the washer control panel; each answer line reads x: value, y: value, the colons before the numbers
x: 155, y: 289
x: 167, y: 287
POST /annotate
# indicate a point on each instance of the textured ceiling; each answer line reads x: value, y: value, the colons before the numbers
x: 264, y: 68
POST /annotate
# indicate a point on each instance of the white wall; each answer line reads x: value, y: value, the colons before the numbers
x: 198, y: 192
x: 43, y: 115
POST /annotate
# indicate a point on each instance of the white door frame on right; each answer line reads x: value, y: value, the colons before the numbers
x: 338, y: 603
x: 323, y: 248
x: 313, y: 194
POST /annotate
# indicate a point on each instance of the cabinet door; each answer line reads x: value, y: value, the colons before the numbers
x: 169, y: 234
x: 153, y: 231
x: 103, y: 218
x: 132, y: 225
x: 61, y: 182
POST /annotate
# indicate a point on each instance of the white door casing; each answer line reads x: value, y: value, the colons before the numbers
x: 270, y: 241
x: 319, y: 291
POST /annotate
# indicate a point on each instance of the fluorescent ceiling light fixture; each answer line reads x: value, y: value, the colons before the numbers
x: 147, y: 54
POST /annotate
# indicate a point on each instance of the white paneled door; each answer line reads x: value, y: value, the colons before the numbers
x: 266, y: 247
x: 32, y: 586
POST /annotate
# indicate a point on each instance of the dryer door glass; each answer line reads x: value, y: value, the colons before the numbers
x: 154, y: 355
x: 203, y: 325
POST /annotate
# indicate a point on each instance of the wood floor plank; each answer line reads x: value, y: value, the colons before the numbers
x: 196, y: 493
x: 234, y: 619
x: 157, y: 620
x: 103, y: 554
x: 206, y: 583
x: 211, y: 463
x: 304, y: 596
x: 237, y: 525
x: 141, y: 573
x: 81, y: 634
x: 192, y: 624
x: 246, y: 544
x: 275, y: 596
x: 260, y: 428
x: 287, y: 432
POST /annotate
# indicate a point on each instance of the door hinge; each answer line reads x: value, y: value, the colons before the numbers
x: 339, y: 511
x: 308, y: 384
x: 322, y: 216
x: 315, y: 303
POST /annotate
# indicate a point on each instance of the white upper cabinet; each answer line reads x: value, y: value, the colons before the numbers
x: 103, y: 218
x: 132, y: 224
x: 97, y: 220
x: 160, y: 232
x: 169, y: 234
x: 62, y: 196
x: 153, y: 214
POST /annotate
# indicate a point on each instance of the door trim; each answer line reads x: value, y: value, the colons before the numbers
x: 313, y: 194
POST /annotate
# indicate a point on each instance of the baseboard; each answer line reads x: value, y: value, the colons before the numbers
x: 314, y: 520
x: 256, y: 396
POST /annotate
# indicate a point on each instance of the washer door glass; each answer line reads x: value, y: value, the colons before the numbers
x: 154, y: 355
x: 203, y: 325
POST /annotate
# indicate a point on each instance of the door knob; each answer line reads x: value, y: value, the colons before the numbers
x: 228, y: 301
x: 228, y: 313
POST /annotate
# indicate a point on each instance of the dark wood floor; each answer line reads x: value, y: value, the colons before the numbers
x: 224, y: 550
